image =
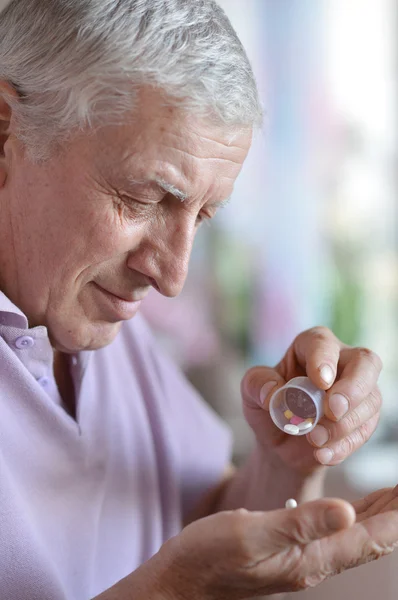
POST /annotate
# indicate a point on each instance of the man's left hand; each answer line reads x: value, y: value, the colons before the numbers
x: 352, y: 402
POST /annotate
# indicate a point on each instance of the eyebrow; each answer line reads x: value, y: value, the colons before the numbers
x: 164, y: 185
x: 222, y: 203
x: 181, y: 195
x: 171, y: 189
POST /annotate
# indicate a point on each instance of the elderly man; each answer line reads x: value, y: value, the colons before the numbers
x: 124, y: 126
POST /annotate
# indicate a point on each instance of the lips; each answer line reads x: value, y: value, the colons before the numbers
x: 117, y: 308
x: 131, y: 298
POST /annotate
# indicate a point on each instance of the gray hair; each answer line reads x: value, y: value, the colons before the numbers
x: 79, y: 63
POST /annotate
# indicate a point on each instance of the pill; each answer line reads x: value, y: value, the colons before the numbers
x: 292, y: 429
x: 288, y: 414
x: 295, y: 420
x: 300, y: 403
x: 305, y: 425
x: 291, y: 503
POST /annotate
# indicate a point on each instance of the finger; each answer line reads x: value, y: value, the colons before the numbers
x: 327, y: 432
x: 368, y: 540
x: 258, y: 385
x: 365, y: 541
x: 304, y: 524
x: 318, y: 351
x: 335, y: 453
x: 389, y: 501
x: 361, y: 370
x: 382, y: 530
x: 362, y: 505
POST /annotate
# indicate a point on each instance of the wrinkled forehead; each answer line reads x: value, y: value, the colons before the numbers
x: 167, y: 142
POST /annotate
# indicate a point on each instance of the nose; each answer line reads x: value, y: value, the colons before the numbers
x: 165, y: 255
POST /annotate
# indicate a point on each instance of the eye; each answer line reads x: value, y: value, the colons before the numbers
x: 138, y: 206
x: 131, y: 209
x: 203, y: 218
x: 129, y: 199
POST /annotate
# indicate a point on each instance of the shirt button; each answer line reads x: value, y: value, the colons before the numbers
x: 74, y: 361
x: 23, y: 342
x: 43, y: 381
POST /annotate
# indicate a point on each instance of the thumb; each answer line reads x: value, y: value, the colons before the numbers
x: 258, y: 385
x: 310, y: 521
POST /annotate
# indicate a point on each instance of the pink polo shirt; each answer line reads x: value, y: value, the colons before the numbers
x: 83, y: 503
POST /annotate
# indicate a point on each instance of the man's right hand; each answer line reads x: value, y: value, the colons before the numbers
x: 241, y: 554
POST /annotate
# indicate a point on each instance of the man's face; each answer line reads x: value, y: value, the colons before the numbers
x: 84, y: 236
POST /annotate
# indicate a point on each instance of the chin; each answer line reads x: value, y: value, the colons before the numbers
x: 92, y: 336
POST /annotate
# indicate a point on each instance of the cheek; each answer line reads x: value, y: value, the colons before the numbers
x: 88, y: 237
x: 69, y: 231
x: 105, y: 236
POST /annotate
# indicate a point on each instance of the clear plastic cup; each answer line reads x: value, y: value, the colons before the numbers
x: 301, y: 399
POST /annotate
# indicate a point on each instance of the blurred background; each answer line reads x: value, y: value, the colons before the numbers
x: 311, y: 234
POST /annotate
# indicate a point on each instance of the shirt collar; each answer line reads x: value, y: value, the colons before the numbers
x: 10, y: 315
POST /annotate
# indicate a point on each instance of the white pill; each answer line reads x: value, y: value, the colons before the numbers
x: 305, y: 425
x: 291, y: 503
x: 292, y: 429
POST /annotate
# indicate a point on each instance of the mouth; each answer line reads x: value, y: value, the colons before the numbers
x: 117, y: 308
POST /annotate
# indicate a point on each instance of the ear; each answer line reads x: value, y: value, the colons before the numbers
x: 6, y: 91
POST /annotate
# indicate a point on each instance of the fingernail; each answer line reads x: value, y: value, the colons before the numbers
x: 265, y: 390
x: 339, y: 406
x: 327, y: 374
x: 335, y: 519
x: 319, y: 436
x: 325, y: 456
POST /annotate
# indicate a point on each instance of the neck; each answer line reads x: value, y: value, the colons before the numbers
x: 64, y: 382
